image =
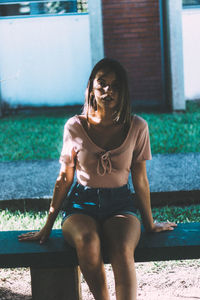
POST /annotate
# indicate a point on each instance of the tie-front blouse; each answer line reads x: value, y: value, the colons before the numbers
x: 96, y: 167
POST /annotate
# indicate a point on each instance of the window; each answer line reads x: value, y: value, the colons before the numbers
x: 14, y: 8
x: 191, y: 3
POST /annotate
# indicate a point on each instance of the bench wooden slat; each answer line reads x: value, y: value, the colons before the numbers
x: 181, y: 243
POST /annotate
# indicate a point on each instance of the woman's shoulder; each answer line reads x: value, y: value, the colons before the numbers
x: 73, y: 121
x: 73, y: 124
x: 139, y: 122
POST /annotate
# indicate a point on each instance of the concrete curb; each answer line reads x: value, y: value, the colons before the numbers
x: 158, y: 199
x: 173, y: 178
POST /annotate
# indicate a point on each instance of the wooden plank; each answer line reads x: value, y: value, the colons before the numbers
x: 56, y: 283
x: 54, y: 253
x: 181, y: 243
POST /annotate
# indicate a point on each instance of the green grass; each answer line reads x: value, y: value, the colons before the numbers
x: 175, y: 132
x: 32, y: 137
x: 17, y: 220
x: 179, y: 214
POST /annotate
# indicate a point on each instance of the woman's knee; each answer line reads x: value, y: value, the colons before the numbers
x: 80, y: 230
x: 122, y: 236
x: 122, y: 252
x: 87, y: 240
x: 88, y: 248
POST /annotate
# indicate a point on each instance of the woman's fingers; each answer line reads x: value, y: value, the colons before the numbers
x: 167, y: 225
x: 41, y: 236
x: 164, y: 226
x: 43, y: 239
x: 28, y: 236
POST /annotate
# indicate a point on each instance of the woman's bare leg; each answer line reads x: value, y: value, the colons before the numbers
x: 121, y: 234
x: 81, y: 232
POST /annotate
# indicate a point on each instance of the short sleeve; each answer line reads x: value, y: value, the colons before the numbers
x: 142, y: 149
x: 67, y: 156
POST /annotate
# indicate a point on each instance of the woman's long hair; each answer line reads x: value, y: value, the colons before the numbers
x: 122, y: 112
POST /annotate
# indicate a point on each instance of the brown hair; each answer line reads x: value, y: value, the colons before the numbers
x: 123, y: 110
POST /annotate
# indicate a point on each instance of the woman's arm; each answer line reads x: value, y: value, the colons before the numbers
x: 141, y: 186
x: 61, y: 189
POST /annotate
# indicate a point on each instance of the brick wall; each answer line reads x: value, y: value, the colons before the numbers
x: 132, y: 35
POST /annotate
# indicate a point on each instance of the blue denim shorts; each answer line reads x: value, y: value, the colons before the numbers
x: 99, y: 203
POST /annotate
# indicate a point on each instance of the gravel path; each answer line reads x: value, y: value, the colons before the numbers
x: 174, y: 280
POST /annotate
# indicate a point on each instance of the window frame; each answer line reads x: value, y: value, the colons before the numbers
x: 39, y: 15
x: 190, y: 5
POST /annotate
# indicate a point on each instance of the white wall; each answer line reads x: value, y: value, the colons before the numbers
x: 47, y: 60
x: 191, y: 52
x: 44, y: 60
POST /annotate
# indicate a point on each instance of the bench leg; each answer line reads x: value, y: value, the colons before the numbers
x: 56, y: 283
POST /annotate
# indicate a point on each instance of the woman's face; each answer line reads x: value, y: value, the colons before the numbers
x: 106, y: 89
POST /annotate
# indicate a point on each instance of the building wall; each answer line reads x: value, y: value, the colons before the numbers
x: 44, y: 60
x: 132, y: 36
x: 191, y: 52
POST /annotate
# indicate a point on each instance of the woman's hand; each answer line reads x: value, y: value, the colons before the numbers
x: 163, y: 226
x: 40, y: 236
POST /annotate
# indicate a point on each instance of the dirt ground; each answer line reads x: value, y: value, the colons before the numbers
x: 174, y: 280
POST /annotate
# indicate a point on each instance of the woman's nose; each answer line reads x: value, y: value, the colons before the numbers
x: 107, y: 88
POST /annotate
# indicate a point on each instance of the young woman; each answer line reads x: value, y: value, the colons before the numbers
x: 103, y: 145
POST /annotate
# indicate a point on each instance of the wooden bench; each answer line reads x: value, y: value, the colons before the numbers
x: 54, y: 265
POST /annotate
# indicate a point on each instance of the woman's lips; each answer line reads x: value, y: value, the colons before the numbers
x: 107, y: 99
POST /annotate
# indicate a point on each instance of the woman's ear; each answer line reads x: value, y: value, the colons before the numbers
x: 93, y: 101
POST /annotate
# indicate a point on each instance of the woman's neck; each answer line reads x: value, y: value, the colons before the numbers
x: 102, y: 118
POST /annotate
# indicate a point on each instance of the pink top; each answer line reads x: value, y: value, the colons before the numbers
x: 96, y: 167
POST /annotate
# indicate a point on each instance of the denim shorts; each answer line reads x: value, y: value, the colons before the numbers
x: 99, y: 203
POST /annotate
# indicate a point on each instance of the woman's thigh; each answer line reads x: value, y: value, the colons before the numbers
x: 121, y: 233
x: 80, y: 227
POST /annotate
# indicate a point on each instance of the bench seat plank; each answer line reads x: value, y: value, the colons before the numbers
x: 181, y: 243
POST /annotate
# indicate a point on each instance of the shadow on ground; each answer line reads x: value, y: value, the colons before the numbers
x: 7, y: 294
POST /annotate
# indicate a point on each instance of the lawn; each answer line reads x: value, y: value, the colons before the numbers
x: 175, y: 132
x: 39, y: 136
x: 15, y: 220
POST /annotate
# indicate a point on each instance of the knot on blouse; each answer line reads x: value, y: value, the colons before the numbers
x: 104, y: 164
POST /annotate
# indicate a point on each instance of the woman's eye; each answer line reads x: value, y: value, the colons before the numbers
x: 102, y: 83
